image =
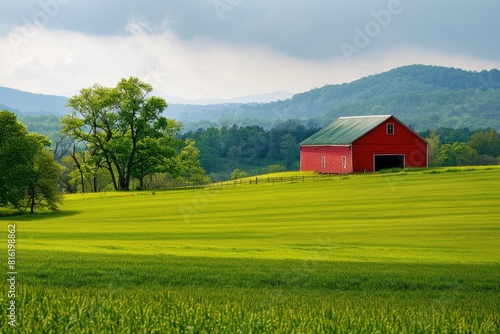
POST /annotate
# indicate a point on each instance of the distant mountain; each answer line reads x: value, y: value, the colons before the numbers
x: 424, y: 97
x: 39, y: 104
x: 259, y: 98
x: 28, y: 103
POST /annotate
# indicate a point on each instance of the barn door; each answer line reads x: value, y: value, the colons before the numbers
x: 386, y: 161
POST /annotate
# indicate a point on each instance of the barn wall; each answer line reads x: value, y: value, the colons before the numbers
x: 311, y: 159
x: 377, y: 141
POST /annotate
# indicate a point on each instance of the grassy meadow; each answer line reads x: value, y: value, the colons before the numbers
x: 413, y: 251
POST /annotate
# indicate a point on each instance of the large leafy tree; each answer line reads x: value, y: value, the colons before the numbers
x: 157, y: 152
x: 122, y: 127
x: 189, y: 166
x: 42, y: 178
x: 29, y: 174
x: 13, y: 165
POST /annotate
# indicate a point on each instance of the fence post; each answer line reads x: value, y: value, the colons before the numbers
x: 256, y: 180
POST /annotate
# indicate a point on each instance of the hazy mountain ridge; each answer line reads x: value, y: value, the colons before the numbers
x: 258, y: 98
x: 30, y: 103
x: 422, y: 96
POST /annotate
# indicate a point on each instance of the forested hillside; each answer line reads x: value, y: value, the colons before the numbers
x: 424, y: 97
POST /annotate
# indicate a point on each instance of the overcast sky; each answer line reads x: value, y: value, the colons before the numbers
x: 198, y: 49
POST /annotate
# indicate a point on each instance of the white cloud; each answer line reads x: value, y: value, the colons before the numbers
x: 62, y: 62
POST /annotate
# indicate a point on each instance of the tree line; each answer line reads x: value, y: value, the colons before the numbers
x: 249, y: 148
x: 452, y: 147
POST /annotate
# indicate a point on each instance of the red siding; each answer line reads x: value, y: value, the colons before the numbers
x: 377, y: 141
x: 311, y: 159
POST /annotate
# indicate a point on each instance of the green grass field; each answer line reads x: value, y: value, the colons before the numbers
x: 414, y: 251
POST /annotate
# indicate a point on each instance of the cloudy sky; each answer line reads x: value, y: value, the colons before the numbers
x: 199, y: 49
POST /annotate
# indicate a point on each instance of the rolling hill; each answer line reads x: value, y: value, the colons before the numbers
x: 422, y: 96
x: 24, y: 103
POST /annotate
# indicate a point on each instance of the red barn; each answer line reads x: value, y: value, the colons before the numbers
x: 363, y: 144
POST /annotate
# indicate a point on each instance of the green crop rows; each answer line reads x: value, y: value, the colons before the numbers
x: 412, y: 252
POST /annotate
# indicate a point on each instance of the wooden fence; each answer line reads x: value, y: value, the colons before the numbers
x: 258, y: 180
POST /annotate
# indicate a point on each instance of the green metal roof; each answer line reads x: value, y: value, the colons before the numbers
x: 345, y: 130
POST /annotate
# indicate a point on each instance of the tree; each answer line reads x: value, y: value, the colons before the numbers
x: 189, y: 163
x: 486, y: 142
x: 42, y: 183
x: 13, y: 164
x: 289, y: 150
x: 29, y: 177
x: 121, y: 126
x: 458, y: 154
x: 238, y: 174
x: 210, y: 144
x: 435, y: 157
x: 68, y: 181
x: 83, y: 168
x: 155, y: 154
x: 275, y: 168
x: 233, y: 156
